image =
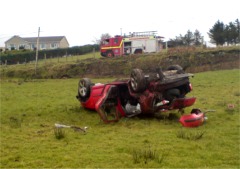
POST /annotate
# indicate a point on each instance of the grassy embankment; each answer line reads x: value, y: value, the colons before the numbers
x: 194, y: 60
x: 29, y: 110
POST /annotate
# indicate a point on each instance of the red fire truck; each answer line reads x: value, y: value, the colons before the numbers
x: 134, y: 43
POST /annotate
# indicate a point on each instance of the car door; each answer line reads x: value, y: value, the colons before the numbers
x: 109, y: 106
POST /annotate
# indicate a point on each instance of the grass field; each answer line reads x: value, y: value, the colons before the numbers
x: 29, y: 110
x: 47, y: 61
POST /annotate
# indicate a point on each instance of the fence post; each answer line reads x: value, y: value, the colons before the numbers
x: 45, y: 58
x: 94, y: 53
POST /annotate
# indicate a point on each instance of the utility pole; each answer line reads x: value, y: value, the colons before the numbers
x: 37, y: 51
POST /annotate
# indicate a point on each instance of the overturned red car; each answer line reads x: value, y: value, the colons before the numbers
x: 158, y: 91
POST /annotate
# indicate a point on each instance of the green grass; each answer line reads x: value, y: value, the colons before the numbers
x: 194, y: 60
x: 48, y: 68
x: 49, y: 61
x: 29, y: 110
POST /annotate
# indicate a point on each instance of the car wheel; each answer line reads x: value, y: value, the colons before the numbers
x: 176, y: 67
x: 84, y: 88
x: 172, y: 94
x: 137, y: 80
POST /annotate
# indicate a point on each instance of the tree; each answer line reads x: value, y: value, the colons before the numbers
x: 178, y: 41
x: 188, y: 38
x: 238, y: 30
x: 232, y: 34
x: 217, y: 33
x: 197, y: 38
x: 227, y: 35
x: 102, y: 37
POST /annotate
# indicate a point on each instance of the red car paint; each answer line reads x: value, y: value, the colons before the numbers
x: 148, y: 94
x: 195, y: 119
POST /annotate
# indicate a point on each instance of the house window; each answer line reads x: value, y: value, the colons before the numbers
x: 54, y: 45
x: 33, y: 46
x: 11, y: 47
x: 42, y: 46
x: 21, y: 46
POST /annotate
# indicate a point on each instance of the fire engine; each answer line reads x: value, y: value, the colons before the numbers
x: 134, y: 43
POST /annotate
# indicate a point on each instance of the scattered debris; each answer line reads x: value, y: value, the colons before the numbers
x: 230, y: 106
x: 76, y: 128
x: 195, y: 119
x: 209, y: 111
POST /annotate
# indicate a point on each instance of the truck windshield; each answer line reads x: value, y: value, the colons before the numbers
x: 105, y: 41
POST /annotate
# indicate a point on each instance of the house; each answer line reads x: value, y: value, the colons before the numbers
x: 48, y: 42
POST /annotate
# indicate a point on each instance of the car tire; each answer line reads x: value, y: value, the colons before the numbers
x: 176, y: 67
x: 84, y: 88
x: 137, y: 80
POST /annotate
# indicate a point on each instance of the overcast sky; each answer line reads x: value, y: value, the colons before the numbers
x: 83, y: 21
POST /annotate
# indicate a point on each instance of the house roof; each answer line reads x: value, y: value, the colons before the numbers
x: 44, y: 39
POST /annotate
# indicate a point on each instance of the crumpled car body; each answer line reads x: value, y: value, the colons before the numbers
x: 159, y: 91
x: 195, y: 119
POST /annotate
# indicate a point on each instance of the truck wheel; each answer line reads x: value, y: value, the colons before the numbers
x: 110, y: 54
x: 137, y: 80
x: 138, y: 51
x: 84, y: 88
x: 176, y: 67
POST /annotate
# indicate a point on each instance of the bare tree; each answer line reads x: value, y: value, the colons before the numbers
x: 102, y: 37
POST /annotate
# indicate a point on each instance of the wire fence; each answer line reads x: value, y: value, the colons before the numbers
x: 50, y: 59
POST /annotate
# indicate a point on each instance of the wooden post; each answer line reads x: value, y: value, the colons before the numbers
x: 37, y: 51
x: 45, y: 58
x: 166, y: 46
x: 94, y: 53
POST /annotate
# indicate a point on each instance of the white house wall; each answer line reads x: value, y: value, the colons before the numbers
x: 17, y: 42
